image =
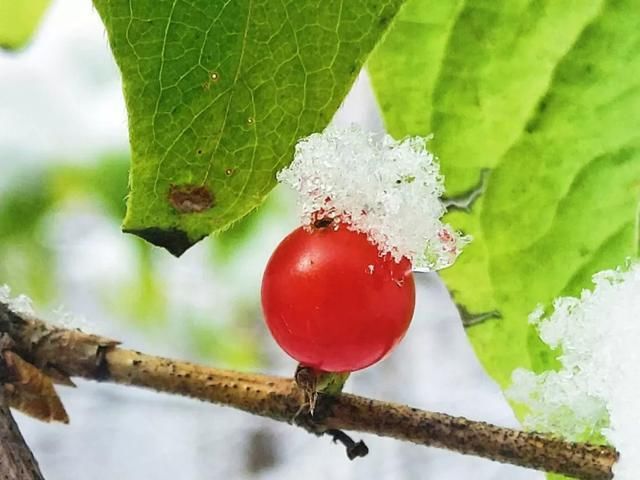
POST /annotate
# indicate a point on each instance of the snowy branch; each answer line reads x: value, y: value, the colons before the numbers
x: 62, y: 353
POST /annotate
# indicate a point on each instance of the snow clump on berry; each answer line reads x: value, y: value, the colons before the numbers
x: 596, y: 390
x: 388, y: 189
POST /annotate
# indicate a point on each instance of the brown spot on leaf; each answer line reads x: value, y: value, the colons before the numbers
x: 190, y: 198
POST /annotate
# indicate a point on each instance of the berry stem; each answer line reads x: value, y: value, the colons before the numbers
x: 315, y: 382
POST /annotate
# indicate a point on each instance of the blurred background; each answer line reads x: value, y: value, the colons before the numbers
x: 64, y: 161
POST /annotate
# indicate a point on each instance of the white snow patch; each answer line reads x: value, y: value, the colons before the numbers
x: 5, y: 293
x: 63, y: 318
x: 597, y: 388
x: 22, y: 305
x: 388, y: 189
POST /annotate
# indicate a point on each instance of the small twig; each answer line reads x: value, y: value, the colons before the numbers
x: 354, y: 449
x: 77, y: 354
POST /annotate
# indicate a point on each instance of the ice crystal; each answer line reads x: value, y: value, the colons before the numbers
x: 21, y: 305
x: 388, y: 189
x: 596, y: 390
x: 62, y: 317
x: 5, y: 293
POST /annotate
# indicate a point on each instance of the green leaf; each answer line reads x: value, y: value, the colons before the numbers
x: 218, y: 93
x: 546, y: 96
x: 25, y: 260
x: 19, y: 20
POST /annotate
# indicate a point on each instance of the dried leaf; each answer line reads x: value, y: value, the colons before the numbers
x: 32, y: 392
x: 58, y: 376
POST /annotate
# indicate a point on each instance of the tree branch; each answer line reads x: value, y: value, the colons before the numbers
x: 76, y: 354
x: 16, y: 459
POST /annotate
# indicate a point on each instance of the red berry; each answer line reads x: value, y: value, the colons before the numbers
x: 332, y: 302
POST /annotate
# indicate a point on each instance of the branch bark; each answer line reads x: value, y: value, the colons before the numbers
x: 76, y: 354
x: 16, y: 459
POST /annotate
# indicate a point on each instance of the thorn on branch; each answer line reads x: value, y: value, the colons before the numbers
x: 354, y: 449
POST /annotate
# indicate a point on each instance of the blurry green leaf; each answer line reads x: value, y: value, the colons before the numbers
x: 26, y: 258
x: 108, y: 180
x: 219, y: 92
x: 19, y: 20
x: 546, y: 95
x: 228, y: 243
x: 235, y: 343
x: 23, y: 205
x: 26, y: 267
x: 104, y: 182
x: 143, y: 300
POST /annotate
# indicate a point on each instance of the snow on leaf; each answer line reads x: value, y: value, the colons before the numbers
x: 596, y: 390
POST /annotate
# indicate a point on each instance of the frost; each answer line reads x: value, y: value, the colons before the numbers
x: 596, y: 390
x: 5, y: 294
x: 558, y: 404
x: 61, y: 317
x: 21, y: 305
x: 536, y: 315
x: 388, y: 189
